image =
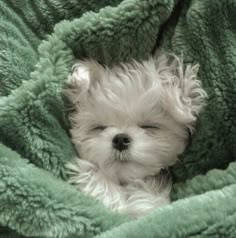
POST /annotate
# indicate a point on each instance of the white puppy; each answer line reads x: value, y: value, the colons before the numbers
x: 129, y: 122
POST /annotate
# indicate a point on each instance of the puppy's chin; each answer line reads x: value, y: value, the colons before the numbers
x: 123, y: 169
x: 130, y: 171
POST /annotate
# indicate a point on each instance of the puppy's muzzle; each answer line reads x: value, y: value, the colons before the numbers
x: 121, y: 142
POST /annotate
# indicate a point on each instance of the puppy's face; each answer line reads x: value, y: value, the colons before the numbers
x: 132, y: 120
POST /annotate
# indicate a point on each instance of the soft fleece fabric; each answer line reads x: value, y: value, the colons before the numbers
x: 39, y: 42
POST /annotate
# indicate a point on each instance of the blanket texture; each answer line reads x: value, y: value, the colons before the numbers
x: 39, y: 42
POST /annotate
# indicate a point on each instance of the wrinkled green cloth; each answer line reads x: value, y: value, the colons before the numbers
x: 39, y: 42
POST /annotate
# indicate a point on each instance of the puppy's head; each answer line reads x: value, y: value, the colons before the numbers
x: 133, y: 120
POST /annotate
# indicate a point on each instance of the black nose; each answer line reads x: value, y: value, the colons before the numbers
x: 121, y: 142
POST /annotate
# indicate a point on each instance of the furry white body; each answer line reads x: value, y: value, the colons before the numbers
x: 154, y: 102
x: 135, y: 198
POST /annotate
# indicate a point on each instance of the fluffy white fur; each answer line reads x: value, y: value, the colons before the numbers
x: 155, y: 102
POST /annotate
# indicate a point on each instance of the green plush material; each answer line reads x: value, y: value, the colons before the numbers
x: 39, y: 42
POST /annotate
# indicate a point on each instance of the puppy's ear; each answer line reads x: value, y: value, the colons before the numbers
x: 185, y: 96
x: 84, y: 75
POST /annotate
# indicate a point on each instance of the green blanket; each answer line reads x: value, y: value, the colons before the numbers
x: 39, y: 42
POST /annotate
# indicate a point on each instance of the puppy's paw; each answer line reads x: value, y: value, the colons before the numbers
x: 144, y: 197
x: 141, y: 203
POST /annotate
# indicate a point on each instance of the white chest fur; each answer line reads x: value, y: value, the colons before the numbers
x: 136, y: 198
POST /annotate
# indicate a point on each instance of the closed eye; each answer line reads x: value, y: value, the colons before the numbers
x: 99, y: 128
x: 149, y: 127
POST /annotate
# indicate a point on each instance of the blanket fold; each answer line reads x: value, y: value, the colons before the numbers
x: 39, y: 42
